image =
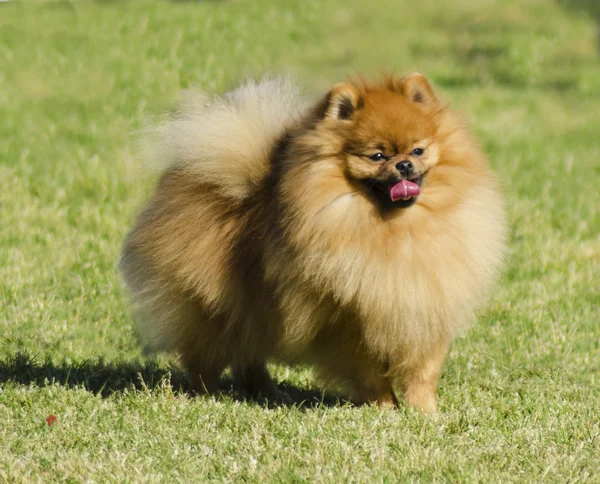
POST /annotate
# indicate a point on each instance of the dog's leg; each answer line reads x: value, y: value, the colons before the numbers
x: 371, y: 386
x: 419, y: 380
x: 254, y: 380
x: 387, y: 399
x: 381, y: 395
x: 203, y: 378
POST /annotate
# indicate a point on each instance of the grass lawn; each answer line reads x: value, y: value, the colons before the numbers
x: 519, y: 394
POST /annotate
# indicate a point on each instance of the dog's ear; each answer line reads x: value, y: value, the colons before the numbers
x: 416, y: 88
x: 341, y: 102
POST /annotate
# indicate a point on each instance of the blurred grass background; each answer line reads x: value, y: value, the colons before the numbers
x: 519, y: 395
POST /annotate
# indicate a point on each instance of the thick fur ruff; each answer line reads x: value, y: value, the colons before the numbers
x: 262, y: 240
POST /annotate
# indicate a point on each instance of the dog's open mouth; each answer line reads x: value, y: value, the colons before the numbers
x: 397, y: 193
x: 405, y: 189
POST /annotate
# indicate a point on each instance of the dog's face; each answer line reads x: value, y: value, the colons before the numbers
x: 389, y: 137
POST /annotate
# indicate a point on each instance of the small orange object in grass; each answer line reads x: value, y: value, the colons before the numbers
x: 51, y: 419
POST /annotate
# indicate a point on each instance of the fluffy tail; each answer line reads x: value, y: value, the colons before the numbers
x: 225, y: 142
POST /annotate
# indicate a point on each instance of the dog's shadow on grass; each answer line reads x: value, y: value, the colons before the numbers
x: 106, y: 379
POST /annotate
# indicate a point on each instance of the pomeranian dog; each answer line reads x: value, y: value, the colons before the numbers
x: 358, y: 235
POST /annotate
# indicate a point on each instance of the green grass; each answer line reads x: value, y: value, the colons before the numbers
x: 519, y: 395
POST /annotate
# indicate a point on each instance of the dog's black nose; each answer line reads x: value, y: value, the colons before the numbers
x: 405, y: 168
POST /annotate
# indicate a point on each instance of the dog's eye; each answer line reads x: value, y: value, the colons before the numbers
x: 417, y: 152
x: 377, y: 157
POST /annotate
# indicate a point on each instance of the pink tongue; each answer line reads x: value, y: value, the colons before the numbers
x: 404, y: 189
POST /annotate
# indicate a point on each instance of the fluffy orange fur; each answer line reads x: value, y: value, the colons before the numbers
x: 271, y: 236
